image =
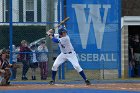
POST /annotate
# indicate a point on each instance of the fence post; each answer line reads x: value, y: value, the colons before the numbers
x: 58, y: 7
x: 120, y: 63
x: 63, y: 16
x: 11, y: 28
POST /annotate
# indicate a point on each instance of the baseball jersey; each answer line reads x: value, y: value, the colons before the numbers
x: 42, y: 57
x: 34, y: 57
x: 64, y: 44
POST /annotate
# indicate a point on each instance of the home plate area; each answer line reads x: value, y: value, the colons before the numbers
x: 72, y: 88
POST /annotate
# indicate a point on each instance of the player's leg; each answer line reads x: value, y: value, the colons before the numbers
x: 59, y: 60
x: 73, y: 59
x: 25, y: 70
x: 7, y: 75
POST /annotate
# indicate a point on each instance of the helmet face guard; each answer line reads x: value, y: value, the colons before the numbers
x: 60, y: 31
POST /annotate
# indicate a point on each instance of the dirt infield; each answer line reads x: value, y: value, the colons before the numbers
x: 112, y: 86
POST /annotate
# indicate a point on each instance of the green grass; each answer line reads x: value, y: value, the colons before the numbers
x: 70, y: 75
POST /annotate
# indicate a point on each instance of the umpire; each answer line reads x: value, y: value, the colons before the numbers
x: 4, y: 67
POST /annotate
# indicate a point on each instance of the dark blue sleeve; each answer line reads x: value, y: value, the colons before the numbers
x: 55, y: 40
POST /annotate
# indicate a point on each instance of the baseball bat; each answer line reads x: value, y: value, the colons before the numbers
x: 62, y: 22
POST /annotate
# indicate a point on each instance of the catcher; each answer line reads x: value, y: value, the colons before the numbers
x: 5, y: 67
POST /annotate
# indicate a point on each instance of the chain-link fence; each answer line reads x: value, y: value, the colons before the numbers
x: 33, y: 50
x: 29, y: 47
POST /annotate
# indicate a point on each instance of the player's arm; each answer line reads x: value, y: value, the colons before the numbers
x: 0, y: 64
x: 132, y: 53
x: 132, y: 49
x: 1, y: 70
x: 51, y: 35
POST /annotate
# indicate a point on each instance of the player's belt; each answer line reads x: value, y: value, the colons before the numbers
x: 68, y: 53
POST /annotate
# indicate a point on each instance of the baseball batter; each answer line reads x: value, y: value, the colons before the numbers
x: 67, y: 53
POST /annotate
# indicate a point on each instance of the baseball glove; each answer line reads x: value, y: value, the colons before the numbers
x: 54, y: 58
x: 49, y: 32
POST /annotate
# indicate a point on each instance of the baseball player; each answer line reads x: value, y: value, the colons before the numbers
x: 67, y: 53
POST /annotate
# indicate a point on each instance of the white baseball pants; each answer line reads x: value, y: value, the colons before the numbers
x: 64, y: 57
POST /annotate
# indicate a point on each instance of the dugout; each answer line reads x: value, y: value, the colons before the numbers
x: 130, y: 28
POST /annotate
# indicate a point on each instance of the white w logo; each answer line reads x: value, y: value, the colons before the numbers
x: 95, y: 17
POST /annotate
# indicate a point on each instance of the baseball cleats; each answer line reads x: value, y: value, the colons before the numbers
x: 87, y: 82
x: 8, y: 83
x: 52, y: 82
x: 24, y: 78
x: 4, y: 83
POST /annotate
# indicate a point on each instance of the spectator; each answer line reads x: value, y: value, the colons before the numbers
x: 14, y: 62
x: 135, y: 54
x: 24, y: 58
x: 33, y: 63
x: 43, y: 60
x: 4, y: 68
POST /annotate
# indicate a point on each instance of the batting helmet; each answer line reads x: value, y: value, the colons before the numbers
x: 61, y: 30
